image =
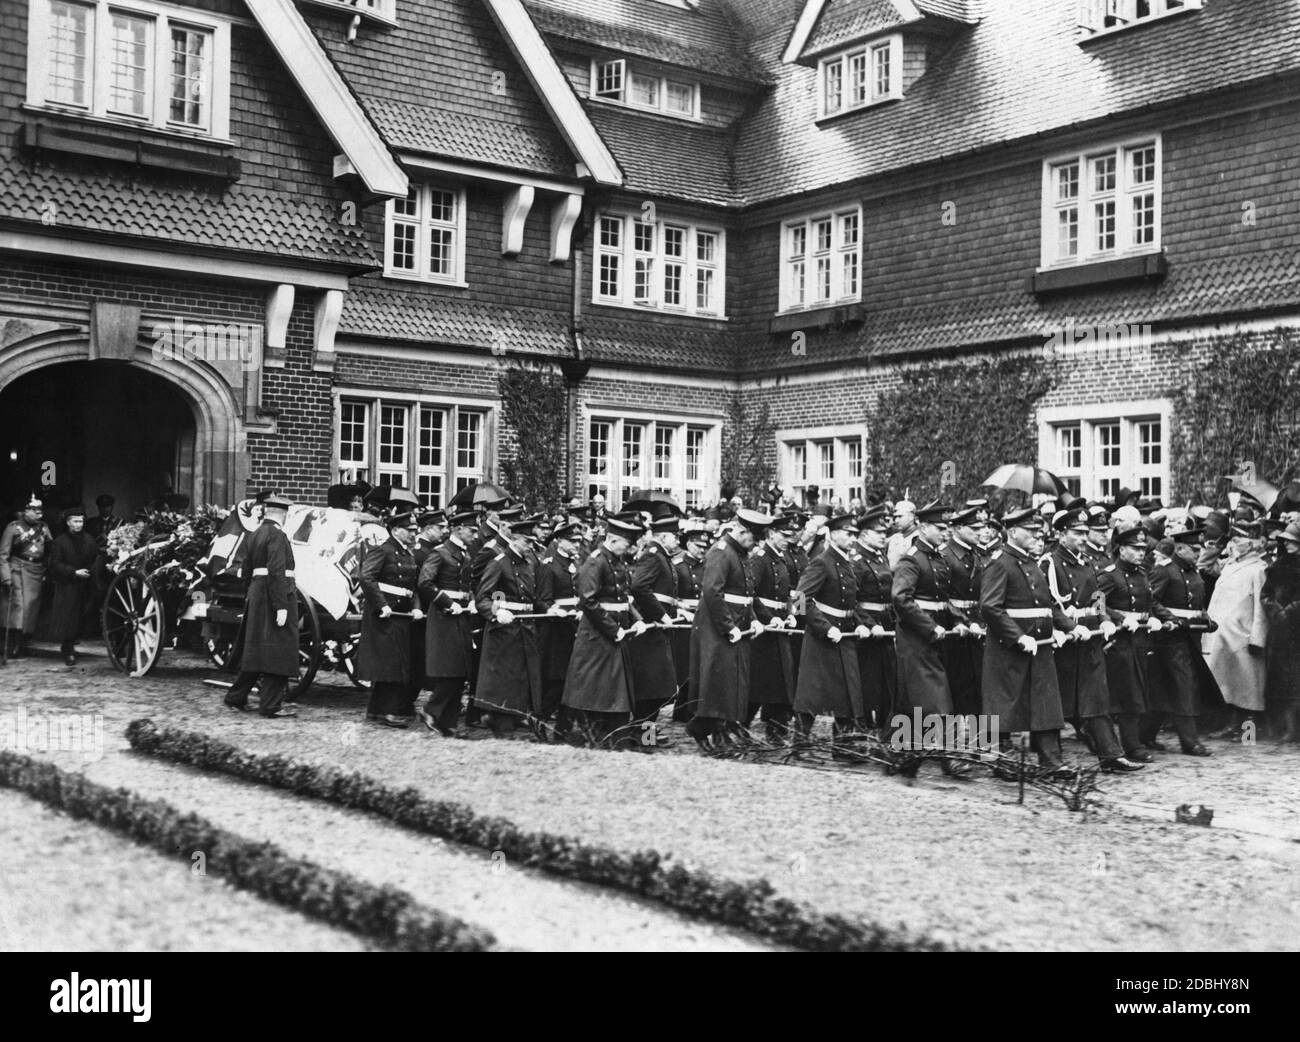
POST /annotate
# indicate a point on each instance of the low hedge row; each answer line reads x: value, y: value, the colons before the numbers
x: 751, y: 906
x: 386, y: 914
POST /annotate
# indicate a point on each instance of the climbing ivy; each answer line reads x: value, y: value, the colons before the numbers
x: 980, y: 415
x: 534, y: 408
x: 747, y: 469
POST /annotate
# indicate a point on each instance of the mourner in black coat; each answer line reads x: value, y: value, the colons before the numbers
x: 654, y: 593
x: 689, y: 570
x: 72, y: 560
x: 771, y: 666
x: 510, y: 670
x: 388, y: 581
x: 446, y: 587
x: 877, y: 663
x: 1178, y: 667
x: 557, y: 594
x: 1281, y: 599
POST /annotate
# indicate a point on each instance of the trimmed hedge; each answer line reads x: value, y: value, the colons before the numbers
x: 386, y: 914
x: 751, y: 906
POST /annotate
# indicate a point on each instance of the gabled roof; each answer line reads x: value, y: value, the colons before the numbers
x: 845, y: 21
x: 654, y: 151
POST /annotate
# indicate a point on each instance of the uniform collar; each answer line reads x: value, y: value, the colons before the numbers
x: 456, y: 542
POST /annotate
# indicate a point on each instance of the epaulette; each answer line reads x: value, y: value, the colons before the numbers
x: 1109, y: 568
x: 995, y: 555
x: 547, y: 560
x: 910, y: 550
x: 498, y: 557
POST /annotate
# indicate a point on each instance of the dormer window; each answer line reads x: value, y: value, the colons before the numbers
x: 862, y: 76
x: 623, y: 83
x: 1106, y: 15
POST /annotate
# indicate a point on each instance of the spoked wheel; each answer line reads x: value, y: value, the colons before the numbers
x: 133, y: 623
x: 310, y: 648
x: 220, y: 651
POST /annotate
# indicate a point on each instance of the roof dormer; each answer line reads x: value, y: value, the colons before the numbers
x: 827, y: 26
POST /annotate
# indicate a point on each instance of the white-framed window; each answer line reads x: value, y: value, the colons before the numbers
x: 621, y: 82
x: 1103, y: 15
x: 424, y: 235
x: 638, y: 452
x: 135, y: 62
x: 1102, y: 203
x: 1099, y: 449
x: 666, y: 265
x: 861, y: 76
x: 380, y: 10
x: 821, y: 259
x: 431, y: 446
x: 832, y: 458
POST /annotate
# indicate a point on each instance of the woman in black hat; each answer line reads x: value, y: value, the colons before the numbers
x: 72, y: 566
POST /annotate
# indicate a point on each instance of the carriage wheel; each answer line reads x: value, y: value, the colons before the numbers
x: 348, y: 659
x: 133, y: 623
x: 310, y: 648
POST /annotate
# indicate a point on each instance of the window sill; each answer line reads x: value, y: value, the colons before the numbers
x: 142, y: 146
x: 848, y: 315
x: 1149, y: 267
x: 1100, y: 34
x: 446, y: 283
x: 835, y: 117
x: 646, y: 110
x: 645, y: 309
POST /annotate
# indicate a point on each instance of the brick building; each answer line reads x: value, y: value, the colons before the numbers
x: 253, y: 243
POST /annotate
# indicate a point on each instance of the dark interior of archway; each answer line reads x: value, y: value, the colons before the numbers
x: 69, y: 432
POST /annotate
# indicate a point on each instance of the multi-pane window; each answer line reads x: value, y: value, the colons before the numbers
x: 862, y: 76
x: 664, y: 265
x: 1116, y: 14
x: 426, y: 235
x: 1099, y: 455
x: 831, y: 459
x: 822, y: 260
x: 1102, y: 204
x: 642, y: 88
x: 389, y: 442
x: 678, y: 457
x: 133, y: 61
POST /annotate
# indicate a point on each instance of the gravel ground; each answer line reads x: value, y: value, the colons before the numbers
x: 958, y: 859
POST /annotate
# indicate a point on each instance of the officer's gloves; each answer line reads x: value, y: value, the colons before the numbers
x: 1109, y: 629
x: 1061, y: 638
x: 1027, y: 644
x: 1154, y: 625
x: 834, y: 635
x: 281, y: 617
x: 505, y: 616
x: 734, y: 635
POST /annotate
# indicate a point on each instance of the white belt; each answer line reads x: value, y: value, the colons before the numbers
x: 288, y: 572
x: 512, y: 606
x: 1135, y: 615
x: 963, y: 605
x: 455, y: 595
x: 870, y: 606
x: 1082, y: 613
x: 665, y: 598
x: 737, y: 598
x: 689, y: 604
x: 1029, y: 613
x: 396, y: 591
x: 1185, y: 613
x: 839, y: 613
x: 565, y: 602
x: 774, y: 605
x: 616, y: 606
x: 930, y: 605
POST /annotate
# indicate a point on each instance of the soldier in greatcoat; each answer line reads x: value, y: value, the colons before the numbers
x: 1178, y: 587
x: 270, y: 638
x: 829, y: 681
x: 1020, y: 686
x: 654, y: 593
x: 1081, y: 664
x: 510, y: 669
x: 877, y: 662
x: 23, y: 548
x: 963, y: 651
x: 73, y: 557
x: 446, y: 586
x: 689, y: 570
x: 1131, y: 607
x: 432, y: 531
x: 598, y: 688
x: 920, y: 599
x: 720, y: 655
x: 557, y: 595
x: 392, y: 608
x: 771, y: 664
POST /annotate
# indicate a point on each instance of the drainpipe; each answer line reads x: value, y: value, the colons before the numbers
x: 575, y: 367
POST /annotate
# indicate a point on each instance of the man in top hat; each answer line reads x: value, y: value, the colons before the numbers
x: 598, y: 688
x: 73, y: 557
x: 270, y: 638
x: 904, y: 529
x: 920, y: 598
x: 510, y: 669
x: 720, y: 655
x: 1081, y: 665
x: 23, y: 548
x: 557, y: 595
x: 654, y: 593
x: 1020, y: 685
x: 963, y: 652
x: 829, y: 681
x: 392, y: 610
x: 688, y: 570
x: 1131, y: 607
x: 771, y: 666
x: 446, y: 586
x: 1179, y: 588
x: 877, y: 661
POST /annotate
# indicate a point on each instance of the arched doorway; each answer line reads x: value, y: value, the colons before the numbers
x: 72, y: 430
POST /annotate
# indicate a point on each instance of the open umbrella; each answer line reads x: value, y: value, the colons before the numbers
x: 1026, y: 478
x: 390, y: 497
x: 1262, y: 492
x: 477, y: 494
x: 655, y: 503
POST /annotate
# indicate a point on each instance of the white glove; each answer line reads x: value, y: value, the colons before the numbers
x: 281, y: 617
x: 639, y: 627
x: 1108, y: 629
x: 82, y: 573
x: 1081, y: 633
x: 975, y: 629
x: 734, y: 635
x: 775, y: 623
x: 416, y: 614
x: 755, y: 628
x: 505, y: 616
x: 938, y: 633
x: 555, y: 609
x: 834, y: 635
x: 863, y: 631
x: 1131, y: 624
x: 877, y: 630
x: 960, y: 630
x: 385, y: 611
x: 1060, y: 638
x: 455, y: 608
x: 791, y: 622
x: 1027, y: 643
x: 684, y: 615
x: 1154, y: 625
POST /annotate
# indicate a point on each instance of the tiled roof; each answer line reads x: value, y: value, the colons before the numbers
x: 983, y: 92
x: 666, y: 157
x: 843, y: 21
x: 238, y: 217
x: 431, y: 84
x: 708, y: 38
x: 704, y: 347
x: 968, y: 11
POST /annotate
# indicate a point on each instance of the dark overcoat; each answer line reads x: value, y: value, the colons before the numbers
x: 963, y: 657
x: 771, y: 662
x: 1179, y: 668
x: 388, y: 577
x: 877, y: 660
x: 654, y: 593
x: 1281, y: 599
x: 448, y: 639
x: 268, y: 566
x: 829, y: 681
x: 70, y: 552
x: 721, y: 668
x: 557, y: 586
x: 1020, y: 689
x: 1127, y: 591
x: 920, y: 595
x: 600, y: 670
x: 688, y: 571
x: 1081, y: 667
x: 510, y: 668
